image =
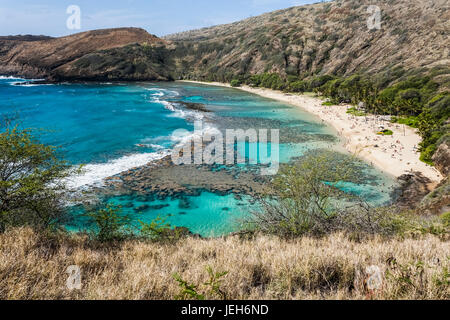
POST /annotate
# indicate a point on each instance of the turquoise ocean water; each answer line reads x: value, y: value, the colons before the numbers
x: 113, y: 127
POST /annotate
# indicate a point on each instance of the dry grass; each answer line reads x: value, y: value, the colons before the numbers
x: 34, y: 267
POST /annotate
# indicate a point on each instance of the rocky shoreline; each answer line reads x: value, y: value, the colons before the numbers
x: 163, y: 180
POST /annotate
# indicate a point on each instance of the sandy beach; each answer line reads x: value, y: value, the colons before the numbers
x: 397, y: 154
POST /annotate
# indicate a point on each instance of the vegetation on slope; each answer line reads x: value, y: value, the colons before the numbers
x: 328, y: 48
x: 133, y: 62
x: 320, y: 39
x: 32, y: 188
x: 33, y: 266
x: 330, y: 38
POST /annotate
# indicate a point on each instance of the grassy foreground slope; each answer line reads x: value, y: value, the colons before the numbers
x: 334, y: 267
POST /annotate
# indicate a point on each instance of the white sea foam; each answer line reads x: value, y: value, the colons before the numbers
x: 145, y: 143
x: 94, y: 174
x: 175, y: 93
x: 10, y: 77
x: 18, y: 78
x: 33, y: 84
x: 180, y: 140
x: 166, y: 104
x: 176, y: 112
x: 179, y: 113
x: 158, y: 94
x: 161, y: 92
x: 21, y: 80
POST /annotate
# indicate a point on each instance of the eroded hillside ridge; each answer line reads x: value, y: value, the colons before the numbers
x: 324, y: 38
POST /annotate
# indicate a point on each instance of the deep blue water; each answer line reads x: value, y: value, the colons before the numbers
x: 114, y: 127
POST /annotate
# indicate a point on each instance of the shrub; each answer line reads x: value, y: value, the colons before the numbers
x: 255, y: 80
x: 160, y: 231
x: 236, y: 83
x: 211, y: 288
x: 109, y: 223
x: 32, y: 188
x: 445, y: 219
x: 187, y: 290
x: 303, y: 199
x: 439, y: 106
x: 427, y: 154
x: 271, y: 81
x: 298, y: 86
x: 320, y: 81
x: 304, y: 204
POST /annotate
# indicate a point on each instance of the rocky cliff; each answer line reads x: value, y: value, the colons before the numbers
x: 59, y: 58
x: 442, y: 158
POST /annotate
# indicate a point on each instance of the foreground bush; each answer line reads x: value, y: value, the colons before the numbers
x: 32, y: 189
x: 108, y: 224
x: 308, y: 199
x: 334, y: 267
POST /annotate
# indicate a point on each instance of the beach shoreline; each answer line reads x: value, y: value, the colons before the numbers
x: 396, y: 155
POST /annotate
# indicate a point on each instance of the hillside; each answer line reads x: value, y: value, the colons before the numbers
x: 323, y: 38
x: 56, y: 58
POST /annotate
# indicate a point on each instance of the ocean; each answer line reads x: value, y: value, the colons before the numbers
x: 112, y: 128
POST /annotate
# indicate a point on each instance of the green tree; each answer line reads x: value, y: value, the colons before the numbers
x: 110, y: 224
x: 236, y: 83
x: 161, y: 231
x: 255, y: 80
x: 298, y: 86
x: 409, y: 102
x: 32, y: 175
x: 386, y: 100
x: 303, y: 198
x: 320, y: 81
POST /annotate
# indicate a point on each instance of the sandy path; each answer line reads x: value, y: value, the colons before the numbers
x: 395, y: 154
